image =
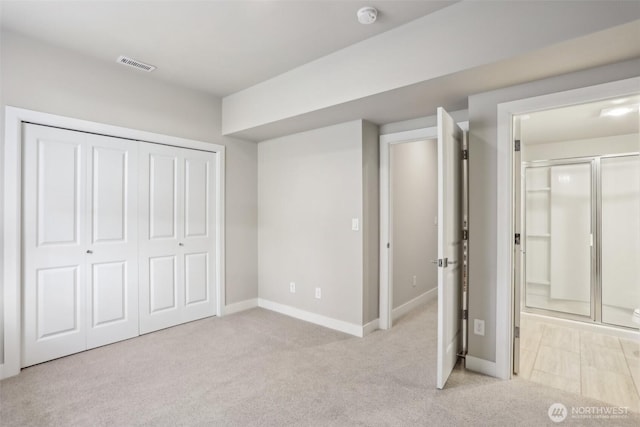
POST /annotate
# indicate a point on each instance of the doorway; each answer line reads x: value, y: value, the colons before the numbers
x: 506, y: 291
x: 451, y: 223
x: 414, y: 218
x: 579, y: 228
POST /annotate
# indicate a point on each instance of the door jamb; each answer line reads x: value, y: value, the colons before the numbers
x: 11, y: 227
x: 386, y: 253
x: 505, y: 213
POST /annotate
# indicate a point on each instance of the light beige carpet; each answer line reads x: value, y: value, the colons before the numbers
x: 262, y: 368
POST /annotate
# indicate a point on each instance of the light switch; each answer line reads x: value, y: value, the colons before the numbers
x: 355, y: 224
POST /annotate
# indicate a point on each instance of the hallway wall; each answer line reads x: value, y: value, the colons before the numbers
x: 414, y: 212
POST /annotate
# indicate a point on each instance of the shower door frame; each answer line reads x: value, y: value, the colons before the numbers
x: 595, y: 315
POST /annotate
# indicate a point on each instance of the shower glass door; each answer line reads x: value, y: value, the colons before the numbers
x: 582, y: 238
x: 620, y: 231
x: 558, y: 243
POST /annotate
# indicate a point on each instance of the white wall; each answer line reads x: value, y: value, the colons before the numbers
x: 483, y: 188
x: 371, y: 220
x: 580, y: 148
x: 310, y: 186
x: 414, y: 207
x: 40, y: 77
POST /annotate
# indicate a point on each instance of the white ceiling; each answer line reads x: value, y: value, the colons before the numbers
x: 578, y: 122
x: 216, y: 46
x: 452, y: 91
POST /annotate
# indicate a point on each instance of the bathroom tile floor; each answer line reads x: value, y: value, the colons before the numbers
x: 591, y: 364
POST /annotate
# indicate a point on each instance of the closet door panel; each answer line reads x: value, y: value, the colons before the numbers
x: 53, y: 244
x: 198, y: 251
x: 163, y: 278
x: 57, y: 303
x: 110, y: 178
x: 160, y: 201
x: 196, y: 278
x: 197, y: 174
x: 58, y: 192
x: 109, y: 288
x: 163, y: 203
x: 112, y: 254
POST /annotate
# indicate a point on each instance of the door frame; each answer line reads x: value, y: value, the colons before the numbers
x: 385, y: 320
x: 505, y: 303
x: 12, y: 199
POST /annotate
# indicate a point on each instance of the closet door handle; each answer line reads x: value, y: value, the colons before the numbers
x: 89, y: 251
x: 180, y: 244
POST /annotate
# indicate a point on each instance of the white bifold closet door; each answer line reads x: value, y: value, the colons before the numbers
x: 79, y: 242
x: 177, y: 236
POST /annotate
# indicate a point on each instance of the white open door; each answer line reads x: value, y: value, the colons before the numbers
x: 450, y: 143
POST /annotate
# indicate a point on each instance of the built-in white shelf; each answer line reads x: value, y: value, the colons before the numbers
x: 539, y: 235
x: 539, y: 282
x: 537, y: 190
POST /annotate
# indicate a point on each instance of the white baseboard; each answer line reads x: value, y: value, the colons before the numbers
x: 480, y: 365
x: 417, y: 301
x: 370, y: 327
x: 327, y: 322
x: 237, y: 307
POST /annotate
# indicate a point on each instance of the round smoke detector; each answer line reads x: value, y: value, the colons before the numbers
x: 367, y: 15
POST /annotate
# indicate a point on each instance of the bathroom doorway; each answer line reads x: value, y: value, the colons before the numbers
x: 578, y: 225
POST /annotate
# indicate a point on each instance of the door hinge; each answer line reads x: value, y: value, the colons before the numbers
x: 517, y: 239
x: 465, y: 314
x: 443, y: 262
x: 516, y: 332
x: 517, y: 145
x: 465, y: 154
x: 465, y: 235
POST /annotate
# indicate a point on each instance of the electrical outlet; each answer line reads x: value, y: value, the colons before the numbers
x: 414, y: 282
x: 292, y: 287
x: 478, y: 327
x: 318, y: 293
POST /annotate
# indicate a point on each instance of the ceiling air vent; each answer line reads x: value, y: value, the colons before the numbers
x: 135, y: 64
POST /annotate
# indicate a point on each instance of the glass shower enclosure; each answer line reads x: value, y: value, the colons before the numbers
x: 581, y: 222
